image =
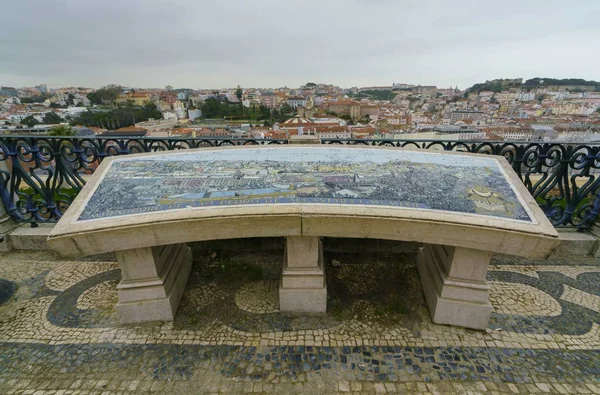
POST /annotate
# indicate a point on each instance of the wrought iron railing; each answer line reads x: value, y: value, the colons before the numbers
x: 562, y: 177
x: 40, y: 176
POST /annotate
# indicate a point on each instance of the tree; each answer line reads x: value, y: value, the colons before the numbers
x: 118, y: 118
x: 52, y: 118
x: 286, y: 109
x: 62, y: 130
x: 239, y: 93
x: 105, y: 96
x: 30, y: 121
x: 33, y: 99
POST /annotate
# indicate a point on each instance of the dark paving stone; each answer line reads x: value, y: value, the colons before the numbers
x: 7, y: 289
x: 164, y: 362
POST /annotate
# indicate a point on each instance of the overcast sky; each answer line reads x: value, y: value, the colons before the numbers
x: 273, y: 43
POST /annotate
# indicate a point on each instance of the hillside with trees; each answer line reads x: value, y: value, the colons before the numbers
x: 538, y: 82
x: 384, y: 95
x: 119, y: 117
x: 216, y: 109
x: 106, y: 95
x: 494, y: 86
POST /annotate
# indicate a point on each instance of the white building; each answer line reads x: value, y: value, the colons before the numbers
x: 526, y: 96
x: 169, y: 115
x: 193, y: 114
x: 73, y: 111
x: 181, y: 113
x: 296, y: 102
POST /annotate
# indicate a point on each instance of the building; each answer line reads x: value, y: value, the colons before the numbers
x: 181, y: 112
x: 297, y: 122
x: 369, y: 109
x: 270, y: 100
x: 459, y: 133
x: 526, y: 96
x: 376, y: 88
x: 169, y: 115
x: 193, y: 114
x: 332, y: 132
x: 296, y: 102
x: 459, y: 115
x: 43, y: 88
x: 136, y: 98
x: 345, y: 107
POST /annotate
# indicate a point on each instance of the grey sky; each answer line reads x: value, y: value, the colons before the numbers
x: 272, y: 43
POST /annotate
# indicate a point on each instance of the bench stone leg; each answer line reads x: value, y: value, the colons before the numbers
x: 154, y: 279
x: 303, y: 287
x: 454, y: 283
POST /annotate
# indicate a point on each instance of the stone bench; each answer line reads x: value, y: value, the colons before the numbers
x: 461, y: 207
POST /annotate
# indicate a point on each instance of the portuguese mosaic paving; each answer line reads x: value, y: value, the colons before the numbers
x: 59, y: 331
x: 330, y: 175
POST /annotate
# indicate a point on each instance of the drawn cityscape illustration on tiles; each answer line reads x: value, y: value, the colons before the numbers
x: 329, y: 175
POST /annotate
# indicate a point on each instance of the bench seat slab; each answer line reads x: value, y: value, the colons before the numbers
x: 454, y: 284
x: 303, y: 287
x: 154, y: 279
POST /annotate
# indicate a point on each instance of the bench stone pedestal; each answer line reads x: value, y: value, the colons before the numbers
x: 454, y: 283
x: 303, y: 287
x: 154, y: 279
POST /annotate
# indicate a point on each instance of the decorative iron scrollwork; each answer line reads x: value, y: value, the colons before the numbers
x: 40, y: 176
x: 563, y: 178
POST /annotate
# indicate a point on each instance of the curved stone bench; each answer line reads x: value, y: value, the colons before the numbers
x: 146, y: 207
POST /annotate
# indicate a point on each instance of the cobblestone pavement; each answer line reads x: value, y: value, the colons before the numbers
x: 59, y: 331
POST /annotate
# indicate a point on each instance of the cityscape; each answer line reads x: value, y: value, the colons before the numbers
x: 536, y: 109
x: 299, y: 197
x: 394, y: 178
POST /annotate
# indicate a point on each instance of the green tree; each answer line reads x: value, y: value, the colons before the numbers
x: 345, y: 117
x: 286, y: 109
x: 33, y: 99
x: 118, y: 118
x: 239, y: 93
x: 106, y: 95
x: 52, y: 118
x: 497, y: 87
x: 30, y: 121
x: 61, y: 130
